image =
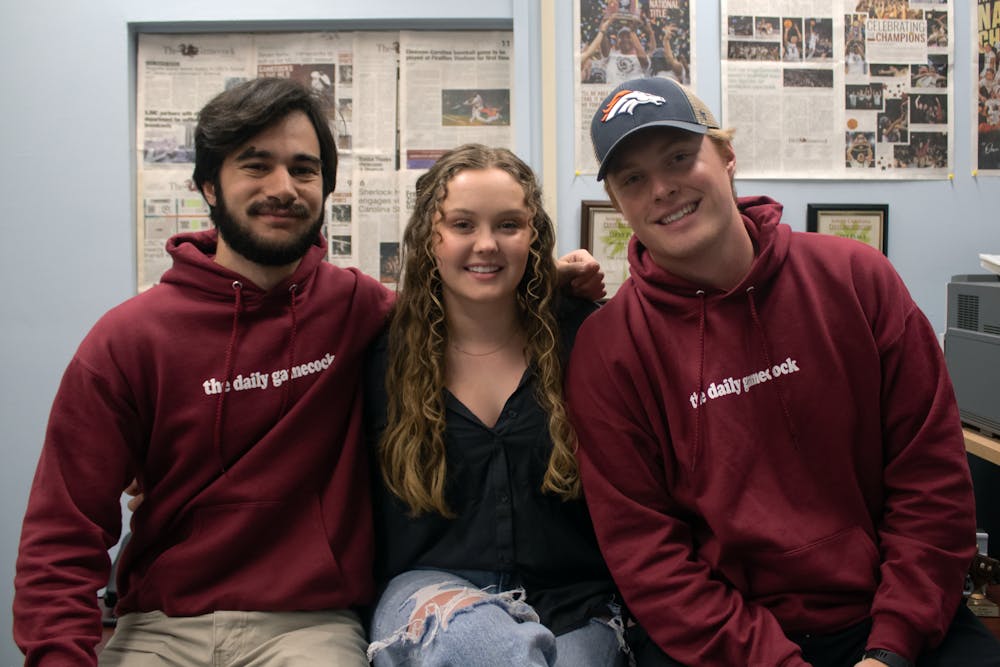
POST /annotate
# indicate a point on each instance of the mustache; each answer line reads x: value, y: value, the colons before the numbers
x: 267, y: 208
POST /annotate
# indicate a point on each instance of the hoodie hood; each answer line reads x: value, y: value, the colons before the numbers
x: 761, y: 217
x: 195, y: 268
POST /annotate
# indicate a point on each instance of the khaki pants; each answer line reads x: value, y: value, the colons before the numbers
x: 238, y: 639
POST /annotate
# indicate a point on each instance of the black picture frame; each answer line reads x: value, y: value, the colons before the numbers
x: 867, y: 223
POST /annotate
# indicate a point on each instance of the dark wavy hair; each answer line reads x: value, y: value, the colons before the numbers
x: 233, y: 117
x: 412, y: 449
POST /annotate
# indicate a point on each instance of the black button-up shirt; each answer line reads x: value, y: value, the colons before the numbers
x: 503, y: 522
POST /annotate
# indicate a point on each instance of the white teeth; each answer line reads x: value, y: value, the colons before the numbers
x: 484, y: 269
x: 678, y: 215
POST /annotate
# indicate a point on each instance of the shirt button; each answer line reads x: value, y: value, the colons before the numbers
x: 512, y: 413
x: 504, y: 498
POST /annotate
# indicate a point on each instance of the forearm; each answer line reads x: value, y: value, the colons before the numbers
x: 927, y: 531
x: 693, y: 616
x: 72, y: 519
x: 59, y: 570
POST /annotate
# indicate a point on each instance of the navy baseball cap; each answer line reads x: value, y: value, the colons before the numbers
x: 641, y: 103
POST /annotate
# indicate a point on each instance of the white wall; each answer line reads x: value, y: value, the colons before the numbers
x: 65, y: 180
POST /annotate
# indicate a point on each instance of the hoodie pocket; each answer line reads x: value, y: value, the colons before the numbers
x: 845, y: 563
x: 261, y: 553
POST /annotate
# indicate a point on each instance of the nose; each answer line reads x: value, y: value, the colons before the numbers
x: 280, y: 186
x: 663, y: 186
x: 485, y: 240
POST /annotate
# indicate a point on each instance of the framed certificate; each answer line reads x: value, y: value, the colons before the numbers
x: 605, y: 234
x: 868, y: 223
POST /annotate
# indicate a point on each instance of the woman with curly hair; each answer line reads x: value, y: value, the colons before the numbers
x: 485, y: 549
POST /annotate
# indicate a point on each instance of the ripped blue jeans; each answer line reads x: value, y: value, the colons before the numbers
x: 433, y: 618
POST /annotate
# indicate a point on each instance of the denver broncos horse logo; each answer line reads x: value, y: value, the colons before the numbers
x: 626, y: 101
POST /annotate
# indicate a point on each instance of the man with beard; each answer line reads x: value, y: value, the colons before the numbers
x: 229, y: 392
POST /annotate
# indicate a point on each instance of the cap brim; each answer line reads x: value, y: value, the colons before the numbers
x: 694, y: 128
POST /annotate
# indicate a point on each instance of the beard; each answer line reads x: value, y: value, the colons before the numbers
x: 246, y: 243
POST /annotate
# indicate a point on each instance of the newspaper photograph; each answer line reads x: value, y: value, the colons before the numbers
x: 618, y: 40
x: 986, y: 51
x: 321, y: 61
x: 340, y: 231
x: 839, y: 89
x: 455, y: 87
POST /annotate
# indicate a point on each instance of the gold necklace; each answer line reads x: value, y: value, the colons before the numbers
x: 504, y: 344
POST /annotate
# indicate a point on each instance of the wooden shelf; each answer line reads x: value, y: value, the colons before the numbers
x: 982, y: 446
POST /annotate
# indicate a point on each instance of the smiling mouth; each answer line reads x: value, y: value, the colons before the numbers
x: 294, y: 211
x: 483, y: 269
x: 673, y: 217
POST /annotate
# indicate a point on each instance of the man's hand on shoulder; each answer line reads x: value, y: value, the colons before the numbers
x: 580, y: 275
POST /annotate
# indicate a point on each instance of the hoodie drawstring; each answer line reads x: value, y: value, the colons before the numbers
x: 221, y: 402
x: 701, y: 382
x: 767, y: 359
x: 292, y: 290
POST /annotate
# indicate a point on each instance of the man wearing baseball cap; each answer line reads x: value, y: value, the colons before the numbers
x: 769, y: 442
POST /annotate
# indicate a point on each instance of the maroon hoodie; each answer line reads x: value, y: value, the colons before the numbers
x: 256, y: 496
x: 784, y: 457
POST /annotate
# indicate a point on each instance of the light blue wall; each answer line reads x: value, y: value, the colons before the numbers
x: 65, y: 180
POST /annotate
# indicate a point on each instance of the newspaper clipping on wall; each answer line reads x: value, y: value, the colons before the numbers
x: 839, y: 88
x: 368, y: 153
x: 453, y: 89
x: 986, y: 54
x: 178, y: 73
x: 618, y: 40
x: 176, y: 76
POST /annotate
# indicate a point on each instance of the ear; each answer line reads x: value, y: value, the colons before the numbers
x: 729, y: 155
x: 208, y: 192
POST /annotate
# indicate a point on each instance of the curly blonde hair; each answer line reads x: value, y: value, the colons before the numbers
x: 412, y: 448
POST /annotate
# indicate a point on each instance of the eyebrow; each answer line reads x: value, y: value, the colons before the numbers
x: 251, y: 152
x: 470, y: 212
